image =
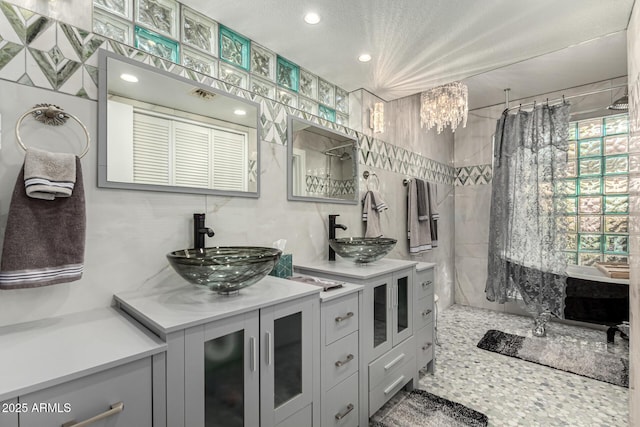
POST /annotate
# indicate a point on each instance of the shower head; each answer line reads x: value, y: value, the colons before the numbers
x: 620, y: 104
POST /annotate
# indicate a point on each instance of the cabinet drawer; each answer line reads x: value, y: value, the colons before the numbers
x: 340, y: 317
x: 94, y: 394
x: 340, y: 404
x: 423, y: 314
x: 341, y: 360
x: 387, y: 365
x: 424, y: 345
x: 302, y: 418
x: 9, y: 410
x: 385, y: 391
x: 424, y: 283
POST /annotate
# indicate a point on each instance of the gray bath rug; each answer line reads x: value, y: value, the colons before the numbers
x: 559, y: 355
x: 423, y: 409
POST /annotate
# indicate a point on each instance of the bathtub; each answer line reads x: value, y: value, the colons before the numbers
x: 593, y: 297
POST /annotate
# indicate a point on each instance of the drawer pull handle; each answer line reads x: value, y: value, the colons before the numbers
x: 427, y: 346
x: 427, y: 283
x: 349, y: 315
x: 341, y: 363
x: 341, y: 415
x: 393, y: 362
x: 116, y: 408
x: 395, y: 384
x: 426, y: 312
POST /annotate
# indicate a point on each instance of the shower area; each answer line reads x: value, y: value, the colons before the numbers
x: 559, y: 210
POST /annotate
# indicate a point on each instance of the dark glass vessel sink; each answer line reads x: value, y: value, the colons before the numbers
x: 362, y: 249
x: 225, y: 270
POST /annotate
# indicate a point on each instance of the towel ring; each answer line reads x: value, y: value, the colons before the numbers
x: 53, y: 115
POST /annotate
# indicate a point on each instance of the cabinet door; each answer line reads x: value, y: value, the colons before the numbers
x: 286, y: 361
x: 376, y: 327
x: 9, y: 410
x: 222, y: 373
x: 402, y: 306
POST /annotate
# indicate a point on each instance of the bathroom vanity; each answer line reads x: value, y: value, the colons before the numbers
x: 395, y: 325
x: 64, y: 370
x: 247, y: 359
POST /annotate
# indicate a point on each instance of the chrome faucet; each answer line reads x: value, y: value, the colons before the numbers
x: 199, y: 230
x: 332, y: 234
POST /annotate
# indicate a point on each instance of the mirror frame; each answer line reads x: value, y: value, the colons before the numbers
x: 290, y: 196
x: 103, y: 58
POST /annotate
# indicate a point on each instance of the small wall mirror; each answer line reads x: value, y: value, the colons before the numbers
x: 162, y: 132
x: 322, y: 163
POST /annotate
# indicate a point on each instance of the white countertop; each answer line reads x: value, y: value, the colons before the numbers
x: 43, y: 353
x: 171, y: 310
x: 352, y: 270
x: 425, y: 266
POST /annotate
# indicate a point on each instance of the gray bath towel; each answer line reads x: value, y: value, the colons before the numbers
x: 418, y: 232
x: 49, y: 175
x: 44, y: 240
x: 432, y: 196
x: 423, y: 200
x: 372, y: 205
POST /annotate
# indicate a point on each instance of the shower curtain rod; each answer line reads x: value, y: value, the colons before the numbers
x: 564, y: 98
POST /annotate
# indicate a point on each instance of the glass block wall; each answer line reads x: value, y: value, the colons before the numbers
x: 173, y: 31
x: 594, y: 192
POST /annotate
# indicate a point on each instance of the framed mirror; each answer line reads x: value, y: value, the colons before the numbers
x: 322, y: 164
x: 161, y: 132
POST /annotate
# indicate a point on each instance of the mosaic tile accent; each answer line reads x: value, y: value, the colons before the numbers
x: 474, y: 175
x: 199, y: 31
x: 319, y: 185
x: 159, y: 15
x: 514, y: 392
x: 157, y: 45
x: 287, y: 74
x: 263, y: 62
x: 234, y: 49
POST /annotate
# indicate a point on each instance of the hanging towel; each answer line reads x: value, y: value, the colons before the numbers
x: 49, y: 175
x: 44, y: 239
x: 372, y: 205
x: 418, y: 232
x: 423, y: 200
x: 432, y: 196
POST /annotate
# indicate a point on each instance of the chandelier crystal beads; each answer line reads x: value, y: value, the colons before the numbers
x: 444, y: 105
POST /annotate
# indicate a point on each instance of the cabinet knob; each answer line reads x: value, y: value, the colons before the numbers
x: 349, y: 315
x: 426, y: 312
x: 341, y: 415
x: 340, y: 363
x: 427, y: 283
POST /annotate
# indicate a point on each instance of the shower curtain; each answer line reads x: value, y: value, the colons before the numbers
x: 526, y: 231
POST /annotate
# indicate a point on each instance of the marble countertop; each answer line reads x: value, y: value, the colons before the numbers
x: 425, y: 266
x: 179, y: 308
x: 352, y: 270
x: 44, y: 353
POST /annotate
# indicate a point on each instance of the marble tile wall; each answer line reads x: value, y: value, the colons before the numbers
x: 43, y: 60
x: 633, y: 64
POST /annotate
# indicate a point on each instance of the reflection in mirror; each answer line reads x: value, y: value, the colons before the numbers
x: 322, y: 163
x: 162, y: 132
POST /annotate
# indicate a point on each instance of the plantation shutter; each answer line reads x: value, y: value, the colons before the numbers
x: 229, y: 160
x: 151, y: 142
x: 192, y: 155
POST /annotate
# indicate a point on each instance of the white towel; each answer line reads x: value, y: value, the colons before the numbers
x: 49, y: 175
x: 418, y: 232
x: 372, y: 205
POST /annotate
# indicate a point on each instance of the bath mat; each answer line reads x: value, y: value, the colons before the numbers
x: 420, y: 408
x: 559, y: 355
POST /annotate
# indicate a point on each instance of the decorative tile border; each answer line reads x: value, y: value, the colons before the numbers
x: 473, y: 175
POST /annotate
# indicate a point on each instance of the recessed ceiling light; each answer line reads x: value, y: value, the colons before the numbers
x: 129, y: 78
x: 240, y: 112
x: 365, y: 57
x: 312, y: 18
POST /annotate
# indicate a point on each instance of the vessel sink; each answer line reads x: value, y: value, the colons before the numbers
x: 225, y: 270
x: 362, y: 249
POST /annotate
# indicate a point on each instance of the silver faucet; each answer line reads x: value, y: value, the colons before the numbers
x: 199, y: 230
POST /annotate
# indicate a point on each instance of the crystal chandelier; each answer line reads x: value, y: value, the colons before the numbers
x: 444, y: 105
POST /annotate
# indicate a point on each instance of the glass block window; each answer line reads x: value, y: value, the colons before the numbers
x: 593, y: 194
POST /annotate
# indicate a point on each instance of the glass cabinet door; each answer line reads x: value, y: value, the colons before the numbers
x: 286, y: 333
x: 222, y: 373
x: 402, y: 307
x: 376, y: 329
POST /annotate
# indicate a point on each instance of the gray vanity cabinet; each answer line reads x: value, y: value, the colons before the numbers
x: 424, y: 315
x: 9, y: 413
x: 252, y: 369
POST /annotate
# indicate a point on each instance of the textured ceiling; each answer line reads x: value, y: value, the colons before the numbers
x: 419, y: 44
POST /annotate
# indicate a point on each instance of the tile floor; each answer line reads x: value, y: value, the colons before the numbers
x: 513, y: 392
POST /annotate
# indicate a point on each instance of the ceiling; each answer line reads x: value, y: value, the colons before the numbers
x: 528, y: 46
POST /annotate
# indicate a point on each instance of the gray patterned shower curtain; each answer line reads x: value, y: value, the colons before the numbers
x: 525, y: 233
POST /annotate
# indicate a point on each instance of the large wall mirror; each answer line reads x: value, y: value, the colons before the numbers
x: 322, y: 163
x: 162, y: 132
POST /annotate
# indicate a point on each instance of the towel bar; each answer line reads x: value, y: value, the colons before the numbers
x: 53, y: 115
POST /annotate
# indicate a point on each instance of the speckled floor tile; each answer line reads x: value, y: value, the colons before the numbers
x: 513, y: 392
